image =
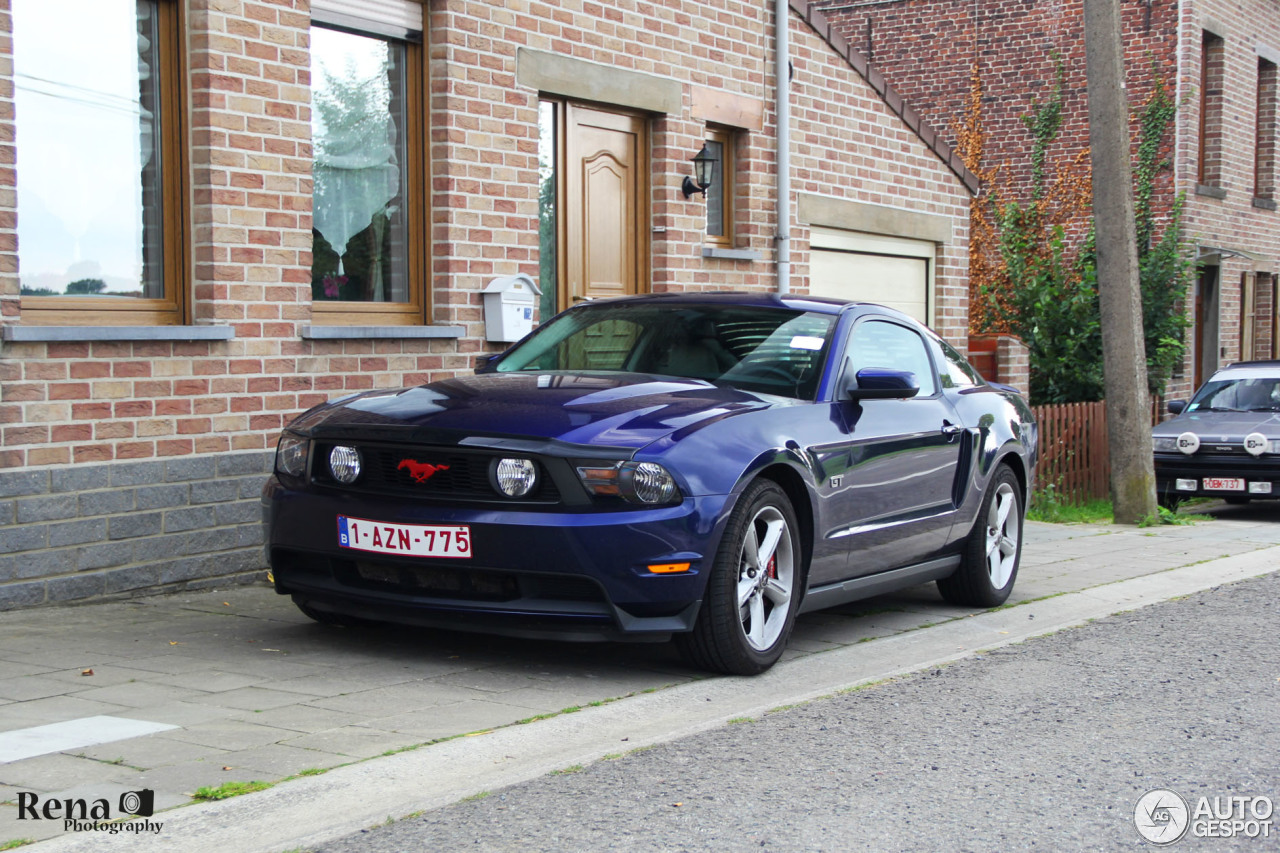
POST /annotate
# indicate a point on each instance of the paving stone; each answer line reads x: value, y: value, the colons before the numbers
x: 277, y: 761
x: 400, y: 698
x: 211, y: 681
x: 251, y: 698
x: 55, y: 772
x: 229, y: 734
x: 355, y: 741
x: 296, y: 718
x: 148, y: 752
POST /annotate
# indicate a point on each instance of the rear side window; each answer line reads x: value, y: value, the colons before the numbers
x: 956, y: 372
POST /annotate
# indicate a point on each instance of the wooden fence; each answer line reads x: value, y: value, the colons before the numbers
x: 1074, y: 458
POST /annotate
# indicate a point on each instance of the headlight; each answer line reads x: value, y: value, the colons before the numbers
x: 1166, y: 444
x: 638, y: 482
x: 291, y: 455
x: 649, y: 482
x: 344, y: 462
x: 515, y: 478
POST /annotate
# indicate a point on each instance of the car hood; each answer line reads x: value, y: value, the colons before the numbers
x: 1221, y: 426
x: 623, y: 411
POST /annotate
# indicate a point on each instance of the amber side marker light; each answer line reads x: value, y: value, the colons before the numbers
x: 669, y: 568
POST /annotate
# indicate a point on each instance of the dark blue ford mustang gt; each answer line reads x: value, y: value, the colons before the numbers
x: 696, y: 466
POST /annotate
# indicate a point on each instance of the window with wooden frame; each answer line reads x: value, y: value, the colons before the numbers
x: 98, y: 114
x: 721, y: 143
x: 370, y: 261
x: 1213, y: 68
x: 1264, y: 151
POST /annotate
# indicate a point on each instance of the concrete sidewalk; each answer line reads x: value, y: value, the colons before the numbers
x: 249, y: 689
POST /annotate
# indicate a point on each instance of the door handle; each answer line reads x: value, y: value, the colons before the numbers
x: 950, y: 430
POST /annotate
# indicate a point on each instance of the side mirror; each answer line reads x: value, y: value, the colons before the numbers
x: 882, y: 383
x: 1177, y: 407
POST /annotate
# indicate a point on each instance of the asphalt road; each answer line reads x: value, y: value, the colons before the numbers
x: 1044, y: 745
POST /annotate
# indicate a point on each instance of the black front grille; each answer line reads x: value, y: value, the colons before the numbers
x: 442, y: 473
x: 297, y: 569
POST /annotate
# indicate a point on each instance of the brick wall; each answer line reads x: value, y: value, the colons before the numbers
x: 79, y: 417
x: 926, y: 48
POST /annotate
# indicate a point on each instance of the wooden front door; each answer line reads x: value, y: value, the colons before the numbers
x: 1206, y: 333
x: 605, y: 204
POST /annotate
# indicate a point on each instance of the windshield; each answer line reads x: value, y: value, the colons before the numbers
x: 1261, y: 394
x: 772, y: 350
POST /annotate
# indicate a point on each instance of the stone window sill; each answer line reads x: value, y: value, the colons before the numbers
x: 730, y: 254
x: 346, y: 333
x: 79, y: 334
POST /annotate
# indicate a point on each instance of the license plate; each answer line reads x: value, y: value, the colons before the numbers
x: 412, y: 540
x: 1224, y: 484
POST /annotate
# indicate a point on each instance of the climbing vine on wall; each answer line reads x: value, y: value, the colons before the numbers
x: 1033, y: 265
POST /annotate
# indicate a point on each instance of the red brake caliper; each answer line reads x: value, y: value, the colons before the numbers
x: 772, y: 571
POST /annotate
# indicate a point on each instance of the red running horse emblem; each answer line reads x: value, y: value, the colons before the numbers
x: 420, y: 471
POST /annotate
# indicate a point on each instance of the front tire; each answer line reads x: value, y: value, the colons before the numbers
x: 754, y: 589
x: 989, y: 563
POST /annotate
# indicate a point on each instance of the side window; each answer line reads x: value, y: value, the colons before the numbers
x: 954, y: 371
x: 878, y: 343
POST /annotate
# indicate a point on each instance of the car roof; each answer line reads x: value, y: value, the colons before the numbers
x: 1249, y: 370
x: 817, y: 304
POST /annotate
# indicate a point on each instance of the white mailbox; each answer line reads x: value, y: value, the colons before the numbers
x: 508, y: 307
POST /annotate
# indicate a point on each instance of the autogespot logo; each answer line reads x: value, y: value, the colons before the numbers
x: 1161, y: 816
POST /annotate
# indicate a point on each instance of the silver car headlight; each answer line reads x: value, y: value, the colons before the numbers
x: 291, y: 455
x: 637, y: 482
x: 1166, y: 444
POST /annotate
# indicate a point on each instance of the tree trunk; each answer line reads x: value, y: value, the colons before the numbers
x: 1123, y: 352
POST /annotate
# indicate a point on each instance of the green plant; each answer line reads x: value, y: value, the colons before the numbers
x: 229, y: 789
x: 15, y: 843
x: 1049, y: 506
x: 1038, y: 273
x: 1164, y: 515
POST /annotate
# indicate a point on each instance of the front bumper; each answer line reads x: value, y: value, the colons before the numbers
x: 565, y: 575
x: 1178, y: 475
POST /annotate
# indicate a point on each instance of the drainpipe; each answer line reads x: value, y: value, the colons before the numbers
x: 782, y: 77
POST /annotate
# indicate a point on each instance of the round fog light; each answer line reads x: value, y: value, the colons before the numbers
x: 515, y: 478
x: 344, y: 462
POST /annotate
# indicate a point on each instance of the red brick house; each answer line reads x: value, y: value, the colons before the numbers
x: 283, y: 201
x: 1217, y: 57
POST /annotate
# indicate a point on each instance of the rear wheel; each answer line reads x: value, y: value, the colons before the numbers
x: 989, y: 563
x: 754, y: 589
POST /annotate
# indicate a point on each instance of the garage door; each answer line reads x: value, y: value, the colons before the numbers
x: 870, y: 268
